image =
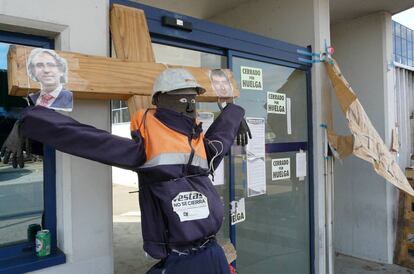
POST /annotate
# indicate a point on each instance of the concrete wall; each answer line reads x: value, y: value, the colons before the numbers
x: 304, y: 23
x: 84, y: 200
x: 365, y: 203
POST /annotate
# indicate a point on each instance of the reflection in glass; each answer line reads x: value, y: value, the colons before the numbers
x: 274, y: 238
x: 21, y: 202
x: 3, y: 55
x: 403, y: 44
x: 21, y: 189
x: 404, y: 48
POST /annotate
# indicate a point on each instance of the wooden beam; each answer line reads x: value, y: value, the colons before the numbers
x: 95, y: 77
x: 131, y: 40
x: 130, y: 34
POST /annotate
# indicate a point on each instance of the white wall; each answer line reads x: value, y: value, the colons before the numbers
x: 304, y: 23
x: 122, y: 176
x: 84, y: 199
x: 404, y: 88
x: 364, y: 203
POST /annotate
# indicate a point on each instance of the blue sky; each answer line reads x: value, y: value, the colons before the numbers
x: 405, y: 18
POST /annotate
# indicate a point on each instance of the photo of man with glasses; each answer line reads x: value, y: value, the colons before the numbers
x: 46, y: 67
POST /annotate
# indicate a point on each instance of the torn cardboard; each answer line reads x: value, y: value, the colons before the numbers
x: 365, y: 141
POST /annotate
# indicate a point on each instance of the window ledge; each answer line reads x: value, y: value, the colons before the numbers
x: 30, y: 262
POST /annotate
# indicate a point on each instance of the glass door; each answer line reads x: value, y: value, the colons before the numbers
x: 275, y: 235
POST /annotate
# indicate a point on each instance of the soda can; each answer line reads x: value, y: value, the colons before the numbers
x: 43, y: 243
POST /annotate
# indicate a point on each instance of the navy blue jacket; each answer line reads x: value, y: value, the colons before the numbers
x: 160, y: 227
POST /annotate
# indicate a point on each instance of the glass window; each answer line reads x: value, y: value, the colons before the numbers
x: 275, y: 235
x: 116, y: 104
x: 403, y: 32
x: 120, y: 112
x: 175, y: 56
x: 398, y: 58
x: 4, y: 47
x: 21, y: 202
x: 398, y: 46
x: 186, y: 57
x: 394, y: 26
x: 398, y: 30
x: 404, y: 48
x: 27, y: 195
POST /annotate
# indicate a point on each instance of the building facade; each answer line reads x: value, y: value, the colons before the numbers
x: 290, y: 218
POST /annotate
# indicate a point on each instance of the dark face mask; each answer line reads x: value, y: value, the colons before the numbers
x: 182, y: 103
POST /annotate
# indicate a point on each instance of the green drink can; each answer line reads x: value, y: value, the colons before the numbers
x: 43, y: 243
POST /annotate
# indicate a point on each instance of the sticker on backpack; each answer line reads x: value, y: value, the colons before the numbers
x: 190, y: 205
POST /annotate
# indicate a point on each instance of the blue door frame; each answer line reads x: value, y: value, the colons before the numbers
x: 218, y: 39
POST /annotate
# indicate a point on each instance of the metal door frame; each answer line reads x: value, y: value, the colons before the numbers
x: 285, y: 147
x: 218, y: 39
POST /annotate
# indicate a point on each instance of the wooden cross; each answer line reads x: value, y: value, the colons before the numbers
x: 130, y: 76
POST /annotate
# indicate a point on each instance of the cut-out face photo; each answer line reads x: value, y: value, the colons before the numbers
x: 50, y: 70
x: 221, y: 83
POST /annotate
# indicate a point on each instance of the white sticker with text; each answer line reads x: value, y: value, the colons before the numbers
x: 190, y: 205
x: 251, y: 78
x: 238, y: 211
x: 276, y: 103
x: 280, y: 169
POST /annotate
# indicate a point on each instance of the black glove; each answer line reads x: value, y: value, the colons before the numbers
x: 243, y: 133
x: 13, y: 147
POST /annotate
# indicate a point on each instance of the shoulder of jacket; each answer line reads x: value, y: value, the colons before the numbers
x: 137, y: 117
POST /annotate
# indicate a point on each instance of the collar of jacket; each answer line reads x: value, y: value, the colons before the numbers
x: 178, y: 122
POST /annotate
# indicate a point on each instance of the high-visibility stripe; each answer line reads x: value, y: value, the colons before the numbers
x: 176, y: 159
x: 161, y: 141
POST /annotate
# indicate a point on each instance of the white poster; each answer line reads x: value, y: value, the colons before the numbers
x: 237, y: 211
x: 256, y: 145
x: 280, y: 169
x: 256, y: 165
x: 256, y: 176
x: 288, y: 115
x: 207, y: 118
x: 251, y: 78
x: 276, y: 103
x: 301, y: 165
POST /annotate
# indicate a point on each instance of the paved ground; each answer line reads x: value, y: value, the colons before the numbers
x: 21, y: 200
x: 130, y: 258
x: 349, y: 265
x: 127, y: 242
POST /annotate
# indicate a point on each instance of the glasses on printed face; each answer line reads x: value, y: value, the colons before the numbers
x: 49, y: 65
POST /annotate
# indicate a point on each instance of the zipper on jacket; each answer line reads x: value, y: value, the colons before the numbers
x: 190, y: 160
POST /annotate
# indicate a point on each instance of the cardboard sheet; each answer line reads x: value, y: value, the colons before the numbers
x: 365, y: 141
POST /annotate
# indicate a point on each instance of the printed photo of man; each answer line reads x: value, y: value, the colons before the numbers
x: 46, y: 67
x: 221, y: 83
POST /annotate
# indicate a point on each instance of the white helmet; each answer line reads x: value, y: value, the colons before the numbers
x: 173, y: 79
